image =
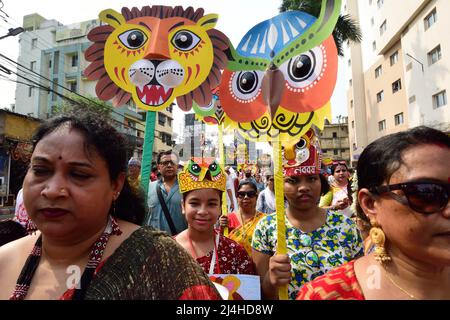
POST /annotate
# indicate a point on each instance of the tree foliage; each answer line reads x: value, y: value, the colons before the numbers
x: 74, y: 104
x: 347, y: 29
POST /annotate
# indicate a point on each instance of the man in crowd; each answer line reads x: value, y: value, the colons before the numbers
x: 164, y: 198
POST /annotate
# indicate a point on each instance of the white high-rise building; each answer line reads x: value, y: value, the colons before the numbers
x: 398, y: 76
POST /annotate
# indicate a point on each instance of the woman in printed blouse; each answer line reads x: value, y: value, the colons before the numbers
x: 403, y: 184
x: 241, y: 224
x: 88, y: 243
x: 202, y: 206
x: 317, y: 240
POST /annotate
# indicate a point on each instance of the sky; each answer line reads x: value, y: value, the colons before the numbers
x: 236, y: 17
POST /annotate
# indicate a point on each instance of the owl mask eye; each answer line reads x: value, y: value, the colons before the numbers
x: 194, y: 169
x: 214, y: 169
x: 305, y: 69
x: 246, y: 85
x: 301, y: 144
x: 133, y: 39
x: 185, y: 40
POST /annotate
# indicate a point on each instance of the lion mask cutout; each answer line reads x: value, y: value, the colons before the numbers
x: 155, y: 55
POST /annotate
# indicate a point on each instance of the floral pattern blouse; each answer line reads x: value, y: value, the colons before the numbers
x: 232, y: 259
x: 314, y: 253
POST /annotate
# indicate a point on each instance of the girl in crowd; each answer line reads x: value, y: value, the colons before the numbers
x: 241, y: 224
x: 403, y: 192
x: 317, y: 240
x: 339, y: 198
x: 88, y: 243
x: 202, y: 187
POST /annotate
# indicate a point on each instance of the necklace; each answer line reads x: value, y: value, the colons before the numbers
x: 400, y: 288
x: 95, y: 257
x: 244, y: 230
x: 214, y: 256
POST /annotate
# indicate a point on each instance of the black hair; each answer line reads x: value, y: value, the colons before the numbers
x: 349, y: 187
x: 112, y: 147
x: 246, y: 182
x: 334, y: 166
x: 324, y: 186
x: 383, y: 157
x: 165, y: 153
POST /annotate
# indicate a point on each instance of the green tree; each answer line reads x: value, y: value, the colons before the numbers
x: 347, y: 29
x: 73, y: 103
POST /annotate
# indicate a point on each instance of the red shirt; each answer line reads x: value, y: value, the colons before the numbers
x: 338, y: 284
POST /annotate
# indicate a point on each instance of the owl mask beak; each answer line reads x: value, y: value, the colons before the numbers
x: 203, y: 174
x: 289, y: 152
x: 272, y: 88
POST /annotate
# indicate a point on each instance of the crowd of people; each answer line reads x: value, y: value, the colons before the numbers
x: 83, y: 208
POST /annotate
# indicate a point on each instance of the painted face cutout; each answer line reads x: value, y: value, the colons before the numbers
x: 303, y: 157
x: 282, y: 76
x: 156, y: 55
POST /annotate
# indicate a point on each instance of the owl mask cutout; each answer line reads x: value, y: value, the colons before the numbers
x: 280, y: 78
x: 303, y: 157
x: 196, y: 176
x: 155, y: 55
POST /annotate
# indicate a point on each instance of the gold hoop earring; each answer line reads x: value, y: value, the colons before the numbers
x: 378, y: 239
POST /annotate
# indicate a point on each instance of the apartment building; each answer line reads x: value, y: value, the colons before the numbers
x: 56, y: 52
x: 334, y: 140
x: 398, y: 76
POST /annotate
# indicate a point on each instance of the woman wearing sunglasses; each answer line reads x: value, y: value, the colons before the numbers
x: 403, y: 192
x: 317, y: 240
x: 339, y: 197
x: 242, y: 223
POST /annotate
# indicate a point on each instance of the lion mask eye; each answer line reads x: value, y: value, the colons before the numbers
x: 133, y: 39
x: 185, y: 40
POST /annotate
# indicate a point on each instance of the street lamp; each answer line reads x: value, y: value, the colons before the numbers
x: 423, y: 70
x: 13, y: 32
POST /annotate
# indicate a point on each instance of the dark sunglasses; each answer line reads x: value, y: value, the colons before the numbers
x: 335, y: 163
x: 250, y: 194
x: 423, y: 197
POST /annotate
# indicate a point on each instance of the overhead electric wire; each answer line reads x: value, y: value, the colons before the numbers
x: 49, y: 89
x: 40, y: 86
x: 57, y: 84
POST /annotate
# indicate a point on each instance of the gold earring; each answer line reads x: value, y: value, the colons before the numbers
x: 378, y: 239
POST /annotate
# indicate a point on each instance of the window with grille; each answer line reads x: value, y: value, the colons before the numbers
x: 394, y: 58
x: 434, y: 55
x: 380, y: 96
x: 397, y: 86
x: 440, y: 99
x: 399, y: 119
x: 430, y: 19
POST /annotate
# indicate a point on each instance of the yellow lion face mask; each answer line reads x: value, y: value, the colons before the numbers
x: 157, y: 57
